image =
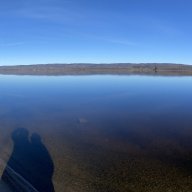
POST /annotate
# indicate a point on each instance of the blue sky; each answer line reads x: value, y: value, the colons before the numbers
x: 99, y: 31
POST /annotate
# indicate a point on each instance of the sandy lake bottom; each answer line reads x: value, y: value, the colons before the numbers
x: 97, y: 133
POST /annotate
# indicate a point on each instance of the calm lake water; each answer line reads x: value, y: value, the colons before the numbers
x: 96, y: 133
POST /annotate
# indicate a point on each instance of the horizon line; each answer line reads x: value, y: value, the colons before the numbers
x: 89, y: 63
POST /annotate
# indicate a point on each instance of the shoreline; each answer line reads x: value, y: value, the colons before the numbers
x: 99, y: 69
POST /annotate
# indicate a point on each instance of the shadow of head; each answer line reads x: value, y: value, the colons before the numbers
x: 35, y: 138
x: 20, y: 135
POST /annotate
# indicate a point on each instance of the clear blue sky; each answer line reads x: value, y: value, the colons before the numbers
x: 99, y: 31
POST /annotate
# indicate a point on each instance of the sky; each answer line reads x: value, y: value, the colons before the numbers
x: 95, y: 31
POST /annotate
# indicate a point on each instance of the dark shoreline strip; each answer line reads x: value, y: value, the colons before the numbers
x: 89, y: 69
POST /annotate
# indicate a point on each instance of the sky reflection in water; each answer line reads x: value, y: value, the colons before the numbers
x: 104, y: 131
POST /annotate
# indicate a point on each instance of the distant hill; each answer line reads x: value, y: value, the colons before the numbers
x: 85, y: 69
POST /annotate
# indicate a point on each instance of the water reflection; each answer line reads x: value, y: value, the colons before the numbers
x: 30, y: 167
x: 105, y: 133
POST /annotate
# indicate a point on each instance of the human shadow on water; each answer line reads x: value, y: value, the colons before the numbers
x: 30, y: 167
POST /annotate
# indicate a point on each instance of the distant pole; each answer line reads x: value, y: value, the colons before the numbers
x: 155, y: 69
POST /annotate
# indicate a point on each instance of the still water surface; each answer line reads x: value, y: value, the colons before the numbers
x: 96, y: 133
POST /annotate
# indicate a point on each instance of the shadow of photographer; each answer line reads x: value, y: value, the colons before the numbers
x: 30, y: 167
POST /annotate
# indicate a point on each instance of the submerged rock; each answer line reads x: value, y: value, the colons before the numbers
x: 82, y: 120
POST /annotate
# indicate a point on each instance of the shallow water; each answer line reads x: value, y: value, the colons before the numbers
x: 97, y: 133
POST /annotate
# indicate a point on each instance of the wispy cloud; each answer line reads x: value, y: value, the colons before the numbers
x: 166, y: 29
x: 115, y: 40
x: 51, y: 10
x: 122, y: 42
x: 161, y: 25
x: 11, y: 44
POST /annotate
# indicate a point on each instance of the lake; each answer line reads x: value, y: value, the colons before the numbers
x: 97, y: 133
